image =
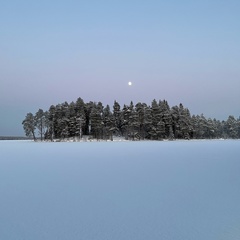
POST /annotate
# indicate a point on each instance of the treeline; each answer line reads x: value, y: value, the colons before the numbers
x: 134, y: 122
x: 13, y: 138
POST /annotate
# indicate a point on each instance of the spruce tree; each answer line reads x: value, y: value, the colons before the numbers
x: 156, y: 127
x: 108, y: 123
x: 96, y: 121
x: 118, y: 118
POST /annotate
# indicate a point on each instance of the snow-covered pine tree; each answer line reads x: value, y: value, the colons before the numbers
x: 41, y: 121
x: 88, y: 109
x: 50, y: 123
x: 108, y: 123
x: 134, y: 124
x: 97, y: 121
x: 182, y: 127
x: 231, y: 127
x: 62, y: 116
x: 72, y: 120
x: 218, y: 128
x: 156, y: 127
x: 140, y: 109
x: 80, y: 117
x: 238, y: 127
x: 147, y: 121
x: 166, y: 118
x: 29, y: 125
x: 118, y: 118
x: 125, y: 116
x: 211, y: 131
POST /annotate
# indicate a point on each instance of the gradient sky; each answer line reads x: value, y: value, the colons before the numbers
x: 182, y: 51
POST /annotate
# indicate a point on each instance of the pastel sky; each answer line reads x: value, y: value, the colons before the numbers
x: 54, y: 51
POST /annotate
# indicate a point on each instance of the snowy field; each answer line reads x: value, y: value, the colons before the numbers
x: 180, y: 190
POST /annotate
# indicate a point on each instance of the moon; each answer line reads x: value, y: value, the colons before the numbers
x: 129, y: 83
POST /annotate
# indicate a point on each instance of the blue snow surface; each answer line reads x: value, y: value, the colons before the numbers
x: 176, y: 190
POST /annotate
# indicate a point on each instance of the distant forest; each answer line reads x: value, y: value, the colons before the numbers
x: 157, y: 121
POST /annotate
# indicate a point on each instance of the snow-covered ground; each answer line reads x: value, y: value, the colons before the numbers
x: 171, y: 190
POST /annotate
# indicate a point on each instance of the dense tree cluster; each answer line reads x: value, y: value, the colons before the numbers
x: 134, y: 122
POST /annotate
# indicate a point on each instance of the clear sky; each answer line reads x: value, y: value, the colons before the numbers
x: 182, y: 51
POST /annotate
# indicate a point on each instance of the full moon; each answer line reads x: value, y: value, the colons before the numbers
x: 129, y: 83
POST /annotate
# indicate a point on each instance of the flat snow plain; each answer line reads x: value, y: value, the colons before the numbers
x: 178, y: 190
